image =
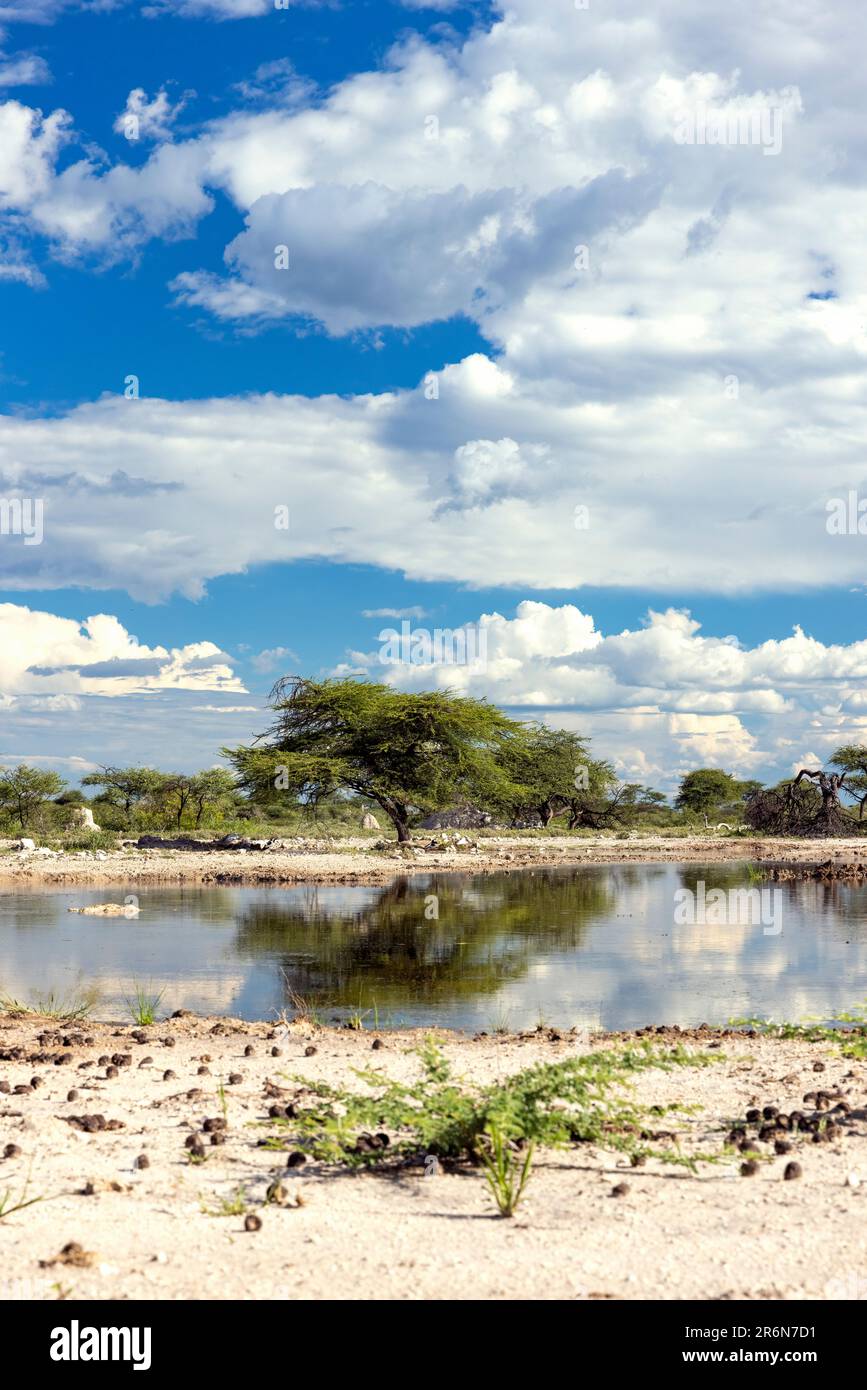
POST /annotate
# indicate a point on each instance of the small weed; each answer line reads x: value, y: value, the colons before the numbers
x: 143, y: 1005
x: 8, y: 1206
x: 507, y: 1172
x: 235, y: 1205
x: 63, y: 1008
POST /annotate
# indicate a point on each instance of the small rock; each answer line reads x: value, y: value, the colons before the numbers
x: 793, y: 1171
x: 252, y: 1222
x: 749, y: 1169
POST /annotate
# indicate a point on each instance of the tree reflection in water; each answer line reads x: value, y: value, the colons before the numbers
x: 489, y: 930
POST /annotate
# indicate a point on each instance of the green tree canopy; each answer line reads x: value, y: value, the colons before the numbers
x: 125, y: 788
x: 546, y: 769
x: 404, y: 751
x: 23, y: 789
x: 707, y: 788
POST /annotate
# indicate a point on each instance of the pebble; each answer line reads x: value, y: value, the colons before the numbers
x: 142, y: 1161
x: 793, y: 1171
x: 252, y: 1222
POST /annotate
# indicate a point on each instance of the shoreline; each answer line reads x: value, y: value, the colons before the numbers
x: 353, y: 861
x: 170, y: 1228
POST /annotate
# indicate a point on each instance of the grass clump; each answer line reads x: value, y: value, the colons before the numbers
x: 236, y: 1205
x: 142, y: 1005
x: 506, y: 1171
x: 550, y: 1104
x: 64, y: 1008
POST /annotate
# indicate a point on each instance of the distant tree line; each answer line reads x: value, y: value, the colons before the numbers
x: 338, y: 747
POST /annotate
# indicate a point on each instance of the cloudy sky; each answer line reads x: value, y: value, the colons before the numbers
x: 546, y: 319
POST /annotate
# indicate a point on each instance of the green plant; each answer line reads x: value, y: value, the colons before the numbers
x: 63, y: 1008
x: 143, y: 1005
x: 24, y: 1201
x: 507, y: 1172
x: 848, y: 1032
x: 236, y: 1205
x: 551, y: 1104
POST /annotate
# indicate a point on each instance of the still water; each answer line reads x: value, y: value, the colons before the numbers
x: 598, y: 946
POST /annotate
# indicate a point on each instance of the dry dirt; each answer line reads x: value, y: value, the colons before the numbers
x: 155, y: 1233
x: 355, y: 861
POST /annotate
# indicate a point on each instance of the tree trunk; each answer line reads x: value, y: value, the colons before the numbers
x: 398, y: 815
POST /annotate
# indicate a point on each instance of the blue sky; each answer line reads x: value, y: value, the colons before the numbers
x: 697, y: 383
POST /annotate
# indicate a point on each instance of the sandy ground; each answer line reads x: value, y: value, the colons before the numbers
x: 156, y: 1232
x: 355, y: 861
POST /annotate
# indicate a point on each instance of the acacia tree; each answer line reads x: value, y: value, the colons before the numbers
x: 546, y: 769
x: 851, y: 758
x: 612, y: 802
x: 406, y: 752
x: 706, y: 788
x: 126, y: 788
x: 23, y: 789
x: 212, y: 789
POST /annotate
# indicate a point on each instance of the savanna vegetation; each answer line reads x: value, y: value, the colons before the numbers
x: 339, y: 748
